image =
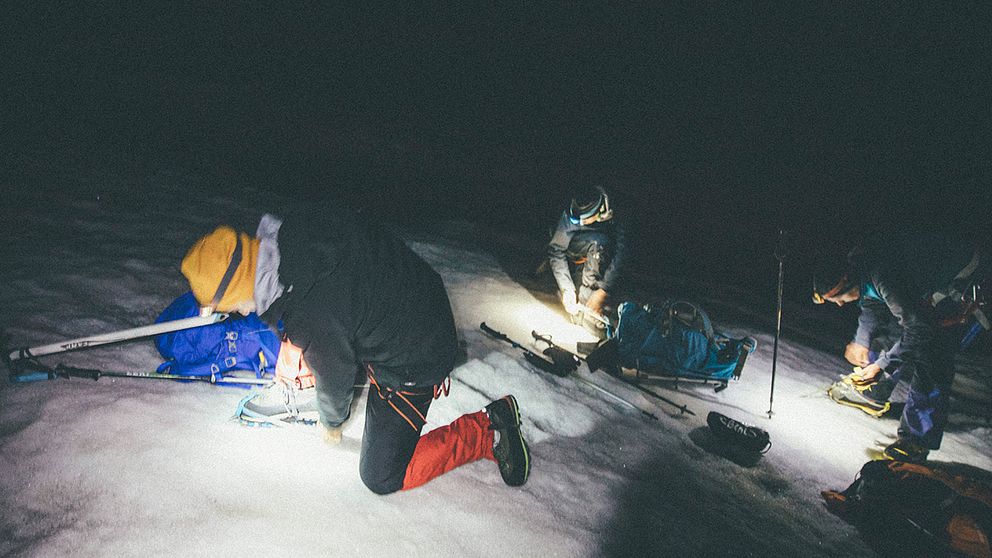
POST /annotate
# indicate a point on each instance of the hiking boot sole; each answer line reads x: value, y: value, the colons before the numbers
x: 516, y: 449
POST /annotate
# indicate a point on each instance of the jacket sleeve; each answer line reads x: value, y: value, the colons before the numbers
x: 328, y: 350
x: 613, y: 272
x: 916, y: 345
x: 872, y: 312
x: 557, y: 250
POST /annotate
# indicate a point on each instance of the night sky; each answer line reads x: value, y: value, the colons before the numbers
x: 717, y: 124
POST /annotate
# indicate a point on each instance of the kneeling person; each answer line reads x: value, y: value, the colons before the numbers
x: 350, y: 296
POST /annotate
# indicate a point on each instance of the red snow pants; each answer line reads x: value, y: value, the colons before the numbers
x: 396, y: 457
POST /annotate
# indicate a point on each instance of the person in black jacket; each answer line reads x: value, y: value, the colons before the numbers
x: 910, y: 280
x: 349, y: 297
x: 592, y: 239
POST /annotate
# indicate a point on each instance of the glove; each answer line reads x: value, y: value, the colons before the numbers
x: 568, y: 300
x: 331, y: 434
x: 856, y: 354
x: 596, y: 301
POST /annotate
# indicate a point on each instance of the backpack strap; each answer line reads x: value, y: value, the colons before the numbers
x: 699, y: 317
x: 228, y: 275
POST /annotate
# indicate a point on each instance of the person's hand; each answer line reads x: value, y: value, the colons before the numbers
x: 568, y: 300
x: 596, y: 301
x: 856, y: 354
x: 331, y: 434
x: 867, y: 375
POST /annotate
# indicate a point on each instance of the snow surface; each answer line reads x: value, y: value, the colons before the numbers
x: 128, y: 467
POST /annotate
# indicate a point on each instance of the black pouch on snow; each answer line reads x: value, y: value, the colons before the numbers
x: 750, y: 438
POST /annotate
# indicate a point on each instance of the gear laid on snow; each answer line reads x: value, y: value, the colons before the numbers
x: 905, y: 449
x: 509, y: 447
x: 871, y: 398
x: 749, y: 438
x: 277, y: 405
x: 555, y: 349
x: 911, y: 509
x: 673, y: 341
x: 237, y: 343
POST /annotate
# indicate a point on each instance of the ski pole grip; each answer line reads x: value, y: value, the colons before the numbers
x: 493, y: 333
x: 30, y: 377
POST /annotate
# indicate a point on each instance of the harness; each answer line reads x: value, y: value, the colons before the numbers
x: 388, y: 394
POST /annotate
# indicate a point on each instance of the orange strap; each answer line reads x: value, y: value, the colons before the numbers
x: 441, y: 389
x: 291, y: 368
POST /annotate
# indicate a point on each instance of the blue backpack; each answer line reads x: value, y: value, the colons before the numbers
x: 677, y: 340
x: 237, y: 343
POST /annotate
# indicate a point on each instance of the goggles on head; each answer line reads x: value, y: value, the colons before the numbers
x: 599, y: 207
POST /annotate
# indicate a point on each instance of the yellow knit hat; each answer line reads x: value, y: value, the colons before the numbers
x: 208, y: 260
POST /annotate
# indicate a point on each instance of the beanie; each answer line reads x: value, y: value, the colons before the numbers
x: 208, y: 262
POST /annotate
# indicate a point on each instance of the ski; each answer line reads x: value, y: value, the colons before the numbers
x: 556, y: 348
x: 562, y: 364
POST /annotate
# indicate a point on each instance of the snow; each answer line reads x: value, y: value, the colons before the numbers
x: 128, y: 467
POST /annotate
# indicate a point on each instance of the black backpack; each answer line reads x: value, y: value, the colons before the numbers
x: 910, y: 509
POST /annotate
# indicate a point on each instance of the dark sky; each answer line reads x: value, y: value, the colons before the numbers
x: 719, y: 122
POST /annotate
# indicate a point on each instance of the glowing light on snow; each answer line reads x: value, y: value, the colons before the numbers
x: 530, y: 315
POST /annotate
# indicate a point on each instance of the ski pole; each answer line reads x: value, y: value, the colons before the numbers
x: 114, y: 337
x: 780, y: 256
x: 614, y: 396
x: 63, y: 371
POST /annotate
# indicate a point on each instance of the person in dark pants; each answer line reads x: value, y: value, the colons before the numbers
x: 350, y: 297
x: 913, y: 279
x: 593, y: 240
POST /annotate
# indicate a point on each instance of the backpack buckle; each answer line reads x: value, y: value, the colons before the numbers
x: 231, y: 336
x: 230, y: 361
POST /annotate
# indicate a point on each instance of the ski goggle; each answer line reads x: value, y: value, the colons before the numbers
x: 599, y: 207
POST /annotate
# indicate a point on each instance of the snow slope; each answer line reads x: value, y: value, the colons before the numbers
x: 152, y: 468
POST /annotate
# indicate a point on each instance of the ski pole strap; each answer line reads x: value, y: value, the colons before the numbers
x: 228, y: 275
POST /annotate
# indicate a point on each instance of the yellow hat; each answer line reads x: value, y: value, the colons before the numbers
x: 210, y: 260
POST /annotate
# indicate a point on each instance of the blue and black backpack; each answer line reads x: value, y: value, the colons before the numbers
x: 237, y: 343
x: 676, y: 340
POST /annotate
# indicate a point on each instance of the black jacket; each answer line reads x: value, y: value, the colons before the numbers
x: 355, y: 294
